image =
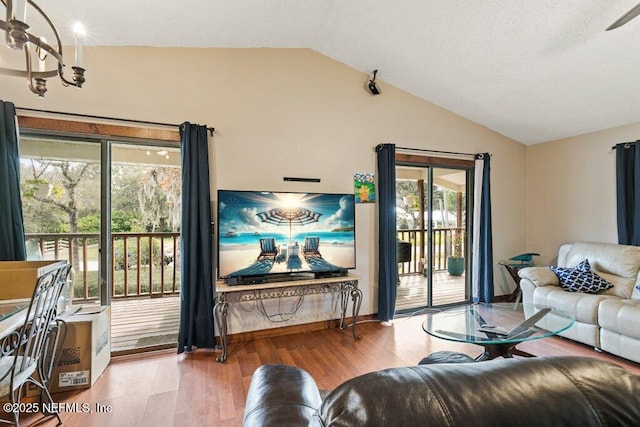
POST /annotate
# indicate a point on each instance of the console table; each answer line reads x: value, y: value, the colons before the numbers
x: 346, y: 286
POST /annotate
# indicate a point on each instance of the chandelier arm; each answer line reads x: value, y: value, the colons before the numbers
x: 4, y: 26
x: 27, y: 54
x: 35, y: 40
x: 38, y: 41
x: 64, y: 81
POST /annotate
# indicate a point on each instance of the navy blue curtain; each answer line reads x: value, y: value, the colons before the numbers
x: 485, y: 253
x: 628, y: 193
x: 387, y: 256
x: 196, y: 272
x: 12, y: 244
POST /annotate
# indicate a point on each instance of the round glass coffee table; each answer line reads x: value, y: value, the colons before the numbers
x: 498, y: 327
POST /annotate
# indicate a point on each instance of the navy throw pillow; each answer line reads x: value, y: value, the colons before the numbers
x: 581, y: 279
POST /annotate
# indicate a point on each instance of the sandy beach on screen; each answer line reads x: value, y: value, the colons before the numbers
x: 236, y: 257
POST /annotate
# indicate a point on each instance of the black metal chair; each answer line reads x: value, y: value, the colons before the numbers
x: 403, y: 253
x: 21, y: 351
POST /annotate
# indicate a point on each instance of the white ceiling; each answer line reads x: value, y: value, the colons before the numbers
x: 533, y: 70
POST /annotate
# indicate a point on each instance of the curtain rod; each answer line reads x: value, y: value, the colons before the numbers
x: 90, y: 116
x: 626, y: 144
x: 436, y: 151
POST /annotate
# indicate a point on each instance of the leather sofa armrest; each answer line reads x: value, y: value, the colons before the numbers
x: 281, y: 395
x: 539, y: 276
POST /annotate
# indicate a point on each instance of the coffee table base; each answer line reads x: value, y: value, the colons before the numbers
x: 491, y: 351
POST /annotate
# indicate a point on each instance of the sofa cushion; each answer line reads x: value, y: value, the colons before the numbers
x: 539, y: 391
x: 446, y: 357
x: 581, y: 279
x: 584, y: 307
x: 539, y: 276
x: 620, y: 316
x: 618, y: 264
x: 283, y: 395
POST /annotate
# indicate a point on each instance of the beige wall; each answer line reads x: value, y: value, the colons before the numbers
x: 290, y: 112
x: 571, y: 190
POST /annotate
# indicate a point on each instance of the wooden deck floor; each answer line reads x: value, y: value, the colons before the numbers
x: 148, y: 322
x: 144, y: 322
x: 412, y: 291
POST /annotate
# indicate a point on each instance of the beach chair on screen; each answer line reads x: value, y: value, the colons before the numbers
x: 311, y: 245
x: 268, y: 249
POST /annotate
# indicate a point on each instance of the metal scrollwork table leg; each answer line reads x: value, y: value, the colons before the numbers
x: 356, y: 298
x: 221, y: 310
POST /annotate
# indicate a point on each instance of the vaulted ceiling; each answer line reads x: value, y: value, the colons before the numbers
x: 533, y: 70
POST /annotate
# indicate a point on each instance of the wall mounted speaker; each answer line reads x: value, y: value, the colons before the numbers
x: 373, y: 88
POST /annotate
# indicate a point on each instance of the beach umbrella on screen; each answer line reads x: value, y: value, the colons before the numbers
x: 290, y: 217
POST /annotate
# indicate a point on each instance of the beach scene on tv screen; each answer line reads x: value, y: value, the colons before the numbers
x: 263, y: 233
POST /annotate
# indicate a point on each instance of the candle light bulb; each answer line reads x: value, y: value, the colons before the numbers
x: 78, y: 30
x: 20, y: 10
x: 78, y: 35
x: 42, y: 56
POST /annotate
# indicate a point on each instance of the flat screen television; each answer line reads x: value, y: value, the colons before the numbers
x: 265, y: 235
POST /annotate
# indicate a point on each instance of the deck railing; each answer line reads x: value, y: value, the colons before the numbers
x: 159, y: 274
x: 143, y: 264
x: 442, y: 248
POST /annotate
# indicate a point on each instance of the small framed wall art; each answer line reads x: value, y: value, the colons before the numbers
x: 364, y: 187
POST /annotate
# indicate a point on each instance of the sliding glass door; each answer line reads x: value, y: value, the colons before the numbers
x: 112, y: 210
x: 145, y: 210
x: 432, y: 207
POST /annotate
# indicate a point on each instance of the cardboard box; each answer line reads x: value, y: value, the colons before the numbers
x: 86, y: 351
x: 18, y: 278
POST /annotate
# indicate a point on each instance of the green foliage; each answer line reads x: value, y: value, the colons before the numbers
x: 123, y: 222
x: 132, y: 252
x: 456, y: 244
x: 57, y: 192
x: 40, y: 218
x: 145, y: 198
x: 89, y: 223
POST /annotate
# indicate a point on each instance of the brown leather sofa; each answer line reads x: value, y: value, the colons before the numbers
x: 543, y: 391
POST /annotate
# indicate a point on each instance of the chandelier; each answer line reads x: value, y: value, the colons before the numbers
x: 49, y: 59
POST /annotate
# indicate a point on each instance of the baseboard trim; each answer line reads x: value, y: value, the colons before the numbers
x: 145, y: 350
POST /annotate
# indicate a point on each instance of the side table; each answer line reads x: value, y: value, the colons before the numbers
x: 518, y: 262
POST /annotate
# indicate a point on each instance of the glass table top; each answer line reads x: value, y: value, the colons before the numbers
x: 497, y: 323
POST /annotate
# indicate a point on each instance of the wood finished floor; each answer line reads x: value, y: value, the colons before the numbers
x: 165, y: 389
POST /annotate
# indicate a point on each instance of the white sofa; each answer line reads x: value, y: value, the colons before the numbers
x: 609, y: 320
